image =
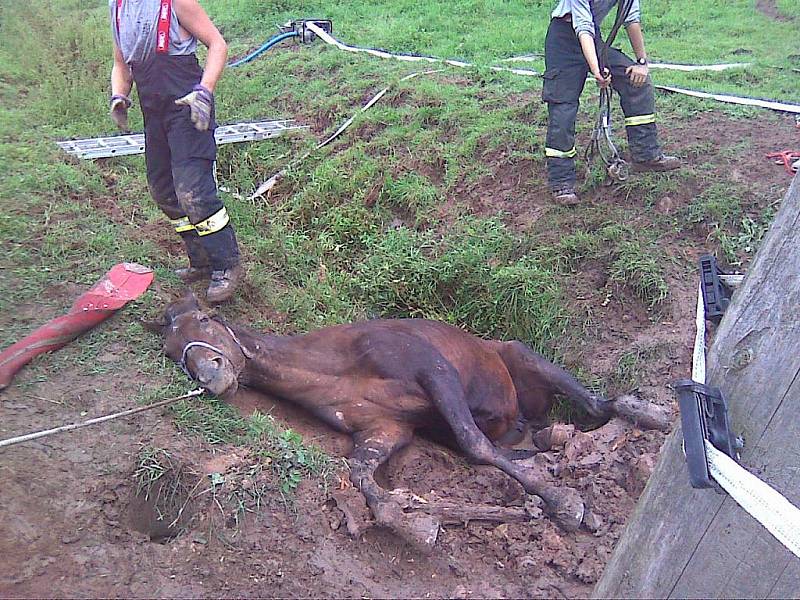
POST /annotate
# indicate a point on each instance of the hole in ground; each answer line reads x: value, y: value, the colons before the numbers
x: 162, y: 508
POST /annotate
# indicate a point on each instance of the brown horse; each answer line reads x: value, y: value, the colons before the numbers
x: 381, y: 380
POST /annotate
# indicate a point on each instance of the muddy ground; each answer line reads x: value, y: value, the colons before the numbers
x: 73, y: 523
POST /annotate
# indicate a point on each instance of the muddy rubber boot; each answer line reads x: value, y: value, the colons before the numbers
x: 662, y: 163
x: 223, y: 284
x: 566, y: 197
x: 198, y: 269
x: 191, y: 274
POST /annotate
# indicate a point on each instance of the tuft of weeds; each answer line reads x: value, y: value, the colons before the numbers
x: 744, y: 242
x: 152, y: 464
x: 719, y: 204
x: 638, y: 269
x: 575, y: 247
x: 628, y: 372
x: 161, y: 483
x: 210, y: 418
x: 286, y: 455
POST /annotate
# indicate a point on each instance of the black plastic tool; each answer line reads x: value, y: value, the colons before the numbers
x: 716, y: 296
x: 704, y: 416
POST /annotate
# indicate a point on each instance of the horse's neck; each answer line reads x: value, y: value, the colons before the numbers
x: 266, y: 351
x: 279, y: 363
x: 259, y: 344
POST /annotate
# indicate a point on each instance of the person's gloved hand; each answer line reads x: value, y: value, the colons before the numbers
x: 119, y: 110
x: 201, y: 101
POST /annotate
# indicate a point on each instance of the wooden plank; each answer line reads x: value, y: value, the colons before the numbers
x: 682, y: 542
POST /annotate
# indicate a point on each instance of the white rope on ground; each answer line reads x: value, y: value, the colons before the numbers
x: 770, y: 104
x: 717, y: 67
x: 272, y: 181
x: 329, y: 39
x: 124, y: 413
x: 761, y: 501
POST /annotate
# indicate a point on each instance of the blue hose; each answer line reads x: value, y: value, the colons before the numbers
x: 269, y: 44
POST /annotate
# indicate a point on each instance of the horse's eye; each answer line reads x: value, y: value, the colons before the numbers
x: 204, y: 319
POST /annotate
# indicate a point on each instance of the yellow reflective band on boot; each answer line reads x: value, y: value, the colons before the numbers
x: 640, y: 120
x: 213, y: 223
x: 182, y: 224
x: 553, y: 153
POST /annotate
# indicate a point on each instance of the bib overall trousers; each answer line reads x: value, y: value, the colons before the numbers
x: 564, y: 78
x: 181, y: 160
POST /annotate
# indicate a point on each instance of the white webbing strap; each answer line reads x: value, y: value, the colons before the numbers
x: 765, y: 505
x: 762, y: 502
x: 699, y: 356
x: 729, y: 99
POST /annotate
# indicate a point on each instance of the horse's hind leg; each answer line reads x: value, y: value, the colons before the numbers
x: 445, y: 391
x: 537, y: 380
x: 373, y: 447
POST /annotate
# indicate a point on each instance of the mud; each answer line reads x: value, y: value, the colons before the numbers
x: 76, y: 522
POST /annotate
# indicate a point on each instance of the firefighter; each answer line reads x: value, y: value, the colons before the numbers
x: 571, y: 51
x: 154, y: 46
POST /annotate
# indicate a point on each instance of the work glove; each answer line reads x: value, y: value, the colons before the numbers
x: 201, y: 101
x: 119, y: 110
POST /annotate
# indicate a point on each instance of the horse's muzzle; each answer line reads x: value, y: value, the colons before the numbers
x: 217, y: 375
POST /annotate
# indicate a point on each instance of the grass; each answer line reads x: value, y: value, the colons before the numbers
x: 383, y: 221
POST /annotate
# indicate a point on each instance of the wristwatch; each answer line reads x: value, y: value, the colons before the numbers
x: 642, y: 61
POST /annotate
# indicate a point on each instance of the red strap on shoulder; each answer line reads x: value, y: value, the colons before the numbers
x: 162, y: 32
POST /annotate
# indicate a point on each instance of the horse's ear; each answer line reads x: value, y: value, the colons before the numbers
x: 156, y: 325
x: 187, y: 303
x: 182, y: 305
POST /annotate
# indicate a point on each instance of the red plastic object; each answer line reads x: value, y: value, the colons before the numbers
x: 787, y: 158
x: 123, y: 283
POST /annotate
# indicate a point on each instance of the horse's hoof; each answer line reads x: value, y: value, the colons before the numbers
x: 565, y: 507
x: 420, y: 530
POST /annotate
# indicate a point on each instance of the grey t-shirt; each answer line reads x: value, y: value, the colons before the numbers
x: 138, y: 30
x: 581, y: 11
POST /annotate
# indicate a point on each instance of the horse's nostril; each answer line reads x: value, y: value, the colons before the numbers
x: 208, y: 369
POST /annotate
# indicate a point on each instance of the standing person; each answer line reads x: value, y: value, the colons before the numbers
x: 154, y: 46
x: 571, y: 51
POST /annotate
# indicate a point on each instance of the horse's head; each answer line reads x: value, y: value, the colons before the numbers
x: 202, y: 344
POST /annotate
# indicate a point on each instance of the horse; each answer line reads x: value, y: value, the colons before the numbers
x: 382, y: 380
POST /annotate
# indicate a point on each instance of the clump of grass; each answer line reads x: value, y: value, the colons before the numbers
x: 471, y: 276
x: 161, y: 481
x: 210, y: 418
x: 152, y: 465
x: 628, y: 373
x: 716, y: 205
x: 285, y: 453
x: 637, y: 268
x: 573, y: 248
x: 744, y: 242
